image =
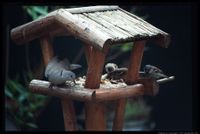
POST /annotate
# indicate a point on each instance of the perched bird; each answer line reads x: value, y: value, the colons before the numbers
x: 115, y: 73
x: 154, y: 72
x: 59, y: 71
x: 109, y: 67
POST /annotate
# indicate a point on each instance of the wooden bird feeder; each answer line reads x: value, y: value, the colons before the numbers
x: 98, y: 27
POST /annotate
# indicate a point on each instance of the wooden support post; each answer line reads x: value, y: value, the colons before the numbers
x: 67, y: 104
x: 132, y: 76
x: 47, y: 49
x: 88, y: 50
x: 95, y: 112
x: 69, y: 115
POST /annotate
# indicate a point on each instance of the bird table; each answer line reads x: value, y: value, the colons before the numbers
x: 99, y: 28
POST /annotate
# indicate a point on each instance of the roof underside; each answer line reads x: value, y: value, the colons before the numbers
x: 98, y: 25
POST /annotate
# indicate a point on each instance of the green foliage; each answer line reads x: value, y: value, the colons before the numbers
x: 123, y: 48
x: 21, y: 103
x: 36, y: 11
x: 137, y: 110
x: 39, y: 11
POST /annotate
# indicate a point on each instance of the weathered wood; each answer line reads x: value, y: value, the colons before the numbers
x: 47, y: 49
x: 75, y: 93
x: 95, y: 68
x: 119, y: 33
x: 135, y: 61
x: 86, y: 94
x: 161, y: 81
x: 119, y: 115
x: 95, y: 112
x: 151, y: 86
x: 118, y: 93
x: 90, y: 9
x: 162, y: 40
x: 33, y: 30
x: 80, y: 28
x: 101, y: 25
x: 88, y: 50
x: 132, y: 76
x: 69, y: 119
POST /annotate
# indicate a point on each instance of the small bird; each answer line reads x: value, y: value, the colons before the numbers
x: 109, y: 67
x: 59, y: 71
x: 154, y: 72
x: 115, y: 73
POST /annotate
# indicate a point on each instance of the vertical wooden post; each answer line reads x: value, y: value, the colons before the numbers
x: 47, y: 49
x: 133, y: 75
x: 95, y: 112
x: 67, y: 105
x: 88, y: 51
x: 69, y: 115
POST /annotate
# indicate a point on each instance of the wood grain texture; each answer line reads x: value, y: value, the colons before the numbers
x: 95, y: 68
x: 47, y: 49
x: 91, y: 9
x: 69, y: 119
x: 135, y: 62
x: 133, y: 75
x: 95, y: 25
x: 95, y: 112
x: 119, y: 93
x: 88, y: 50
x: 74, y: 93
x: 151, y: 86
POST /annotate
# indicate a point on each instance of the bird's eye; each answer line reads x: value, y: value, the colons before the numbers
x: 110, y: 69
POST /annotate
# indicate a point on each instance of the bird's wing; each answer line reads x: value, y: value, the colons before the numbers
x: 119, y: 71
x: 74, y: 66
x: 51, y: 65
x: 65, y: 64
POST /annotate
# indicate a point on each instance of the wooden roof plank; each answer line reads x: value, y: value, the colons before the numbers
x: 91, y: 9
x: 98, y: 26
x: 106, y: 24
x: 134, y: 25
x: 82, y: 29
x: 124, y: 25
x: 137, y: 23
x: 163, y: 39
x: 112, y: 21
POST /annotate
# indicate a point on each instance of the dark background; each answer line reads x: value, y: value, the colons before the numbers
x: 175, y: 107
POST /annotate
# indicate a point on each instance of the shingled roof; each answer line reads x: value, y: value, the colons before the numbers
x: 95, y: 25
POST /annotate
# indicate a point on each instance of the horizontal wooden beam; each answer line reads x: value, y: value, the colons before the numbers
x: 44, y: 87
x: 91, y: 9
x: 164, y: 80
x: 151, y: 86
x: 118, y: 93
x: 143, y: 86
x: 86, y: 94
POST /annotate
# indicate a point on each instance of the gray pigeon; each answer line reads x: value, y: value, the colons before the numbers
x: 59, y: 71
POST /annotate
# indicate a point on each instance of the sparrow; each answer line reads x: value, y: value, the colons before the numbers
x: 59, y: 71
x: 154, y: 72
x: 109, y: 67
x: 114, y: 72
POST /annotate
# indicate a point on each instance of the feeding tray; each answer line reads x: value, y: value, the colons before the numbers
x: 106, y: 91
